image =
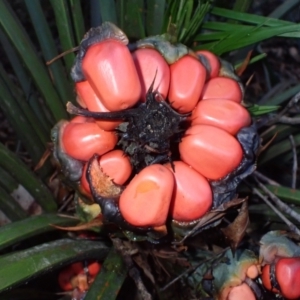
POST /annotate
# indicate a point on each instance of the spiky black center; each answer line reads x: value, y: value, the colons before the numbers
x: 148, y: 134
x: 148, y: 130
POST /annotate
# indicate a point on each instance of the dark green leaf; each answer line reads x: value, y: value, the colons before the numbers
x: 261, y: 213
x: 285, y: 7
x: 289, y: 195
x: 133, y: 23
x: 23, y: 265
x: 186, y: 17
x: 23, y: 45
x: 242, y: 5
x: 10, y: 207
x: 49, y: 50
x: 280, y: 98
x: 226, y: 29
x: 12, y: 164
x: 278, y: 149
x: 95, y: 13
x: 282, y: 132
x: 242, y: 37
x: 108, y: 11
x: 24, y: 111
x: 25, y: 83
x: 78, y: 20
x: 18, y: 120
x: 8, y: 183
x: 155, y: 16
x: 22, y: 230
x: 109, y: 281
x: 248, y: 18
x: 258, y: 110
x: 120, y: 7
x: 63, y: 23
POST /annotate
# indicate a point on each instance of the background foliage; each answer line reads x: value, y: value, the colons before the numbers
x: 33, y: 95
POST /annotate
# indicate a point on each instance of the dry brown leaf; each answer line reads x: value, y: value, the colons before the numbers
x: 264, y: 147
x: 143, y: 264
x: 235, y: 231
x: 44, y: 157
x: 240, y: 70
x: 88, y: 225
x: 62, y: 55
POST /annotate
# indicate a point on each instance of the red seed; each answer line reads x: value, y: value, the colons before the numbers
x: 82, y: 140
x: 187, y: 81
x: 221, y: 113
x: 83, y: 181
x: 78, y: 268
x: 240, y: 292
x: 149, y: 62
x: 211, y: 151
x: 192, y: 196
x: 91, y: 101
x: 110, y: 70
x: 64, y: 279
x: 253, y: 271
x: 94, y: 268
x: 265, y: 277
x: 80, y: 101
x: 214, y: 62
x: 288, y: 276
x: 146, y: 200
x: 81, y: 119
x: 222, y: 88
x: 114, y: 164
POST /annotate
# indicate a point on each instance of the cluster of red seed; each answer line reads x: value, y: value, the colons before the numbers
x: 76, y: 276
x: 277, y: 266
x: 280, y: 273
x: 279, y: 257
x: 283, y: 280
x: 117, y: 79
x: 286, y: 279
